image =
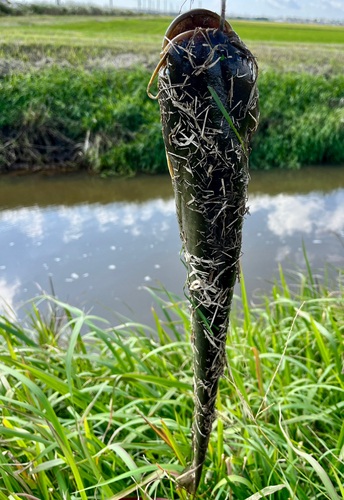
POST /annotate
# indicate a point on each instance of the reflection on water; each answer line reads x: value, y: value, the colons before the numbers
x: 100, y: 240
x: 314, y: 212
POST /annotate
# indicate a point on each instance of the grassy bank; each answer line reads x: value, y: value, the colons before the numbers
x: 65, y: 102
x: 103, y: 120
x: 109, y: 414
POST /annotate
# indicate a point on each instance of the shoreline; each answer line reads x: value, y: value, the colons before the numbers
x: 67, y: 108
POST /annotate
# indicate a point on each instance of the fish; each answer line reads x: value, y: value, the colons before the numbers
x: 209, y: 102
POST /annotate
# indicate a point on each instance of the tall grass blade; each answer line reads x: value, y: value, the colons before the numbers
x: 330, y: 490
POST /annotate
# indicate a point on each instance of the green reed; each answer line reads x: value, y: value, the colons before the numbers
x: 89, y: 410
x: 103, y: 120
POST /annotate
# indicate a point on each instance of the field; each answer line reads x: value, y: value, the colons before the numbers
x: 94, y: 42
x: 102, y: 30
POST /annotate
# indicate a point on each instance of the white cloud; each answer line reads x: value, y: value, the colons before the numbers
x: 307, y: 9
x: 334, y: 221
x: 76, y: 219
x: 7, y: 294
x: 289, y: 214
x: 334, y: 4
x: 29, y: 220
x: 283, y: 4
x: 282, y: 253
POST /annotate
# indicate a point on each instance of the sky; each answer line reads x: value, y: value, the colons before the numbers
x: 329, y: 9
x: 305, y: 9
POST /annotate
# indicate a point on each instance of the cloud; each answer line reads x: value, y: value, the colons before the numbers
x: 333, y: 4
x: 75, y: 219
x: 283, y: 4
x: 288, y: 214
x: 29, y: 220
x: 7, y: 294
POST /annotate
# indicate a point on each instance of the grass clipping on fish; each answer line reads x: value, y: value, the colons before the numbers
x: 209, y: 110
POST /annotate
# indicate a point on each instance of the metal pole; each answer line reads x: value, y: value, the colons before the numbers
x: 223, y: 15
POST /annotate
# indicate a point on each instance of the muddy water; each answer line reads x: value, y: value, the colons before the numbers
x: 101, y: 241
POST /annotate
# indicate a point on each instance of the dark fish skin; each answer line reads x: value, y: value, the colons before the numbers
x: 209, y: 167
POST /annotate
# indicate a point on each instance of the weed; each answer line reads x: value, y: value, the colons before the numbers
x: 109, y: 412
x: 103, y: 120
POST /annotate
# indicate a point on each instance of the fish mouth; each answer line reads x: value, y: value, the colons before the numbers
x: 186, y: 23
x: 182, y: 30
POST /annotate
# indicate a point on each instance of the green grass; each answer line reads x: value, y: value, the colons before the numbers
x: 64, y: 103
x: 134, y: 29
x: 107, y: 413
x: 81, y: 40
x: 34, y: 55
x: 81, y: 30
x: 103, y: 120
x: 100, y: 120
x: 41, y: 9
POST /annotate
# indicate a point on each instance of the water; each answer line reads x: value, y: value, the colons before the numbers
x: 101, y: 241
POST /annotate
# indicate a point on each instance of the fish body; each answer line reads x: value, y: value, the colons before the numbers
x: 208, y: 162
